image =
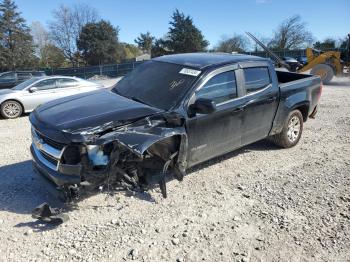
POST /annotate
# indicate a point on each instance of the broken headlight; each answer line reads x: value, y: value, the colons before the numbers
x: 97, y: 155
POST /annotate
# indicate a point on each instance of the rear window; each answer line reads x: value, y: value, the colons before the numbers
x: 256, y: 78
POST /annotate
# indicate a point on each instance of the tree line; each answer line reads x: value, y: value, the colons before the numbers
x: 77, y: 36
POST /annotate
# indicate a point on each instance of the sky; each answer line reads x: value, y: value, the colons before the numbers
x: 215, y: 18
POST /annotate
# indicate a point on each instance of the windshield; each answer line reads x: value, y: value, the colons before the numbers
x: 25, y: 84
x: 157, y: 84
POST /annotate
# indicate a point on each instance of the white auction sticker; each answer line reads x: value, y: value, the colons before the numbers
x: 190, y: 72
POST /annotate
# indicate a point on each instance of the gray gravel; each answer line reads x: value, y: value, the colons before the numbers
x: 259, y: 203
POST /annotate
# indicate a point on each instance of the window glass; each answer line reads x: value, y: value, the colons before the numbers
x: 256, y: 78
x: 7, y: 76
x: 46, y: 84
x: 66, y: 82
x: 22, y: 76
x: 220, y: 88
x: 161, y: 85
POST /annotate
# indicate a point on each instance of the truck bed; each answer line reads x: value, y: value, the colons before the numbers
x: 285, y: 77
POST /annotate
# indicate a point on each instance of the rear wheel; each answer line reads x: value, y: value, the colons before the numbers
x: 324, y: 71
x: 291, y: 132
x: 11, y: 109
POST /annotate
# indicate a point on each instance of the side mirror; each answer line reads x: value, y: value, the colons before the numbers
x: 32, y: 89
x: 203, y: 106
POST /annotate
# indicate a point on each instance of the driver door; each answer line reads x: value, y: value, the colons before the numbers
x: 219, y: 132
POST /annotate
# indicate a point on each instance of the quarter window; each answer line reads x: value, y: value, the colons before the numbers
x: 46, y: 84
x: 220, y: 88
x: 256, y: 78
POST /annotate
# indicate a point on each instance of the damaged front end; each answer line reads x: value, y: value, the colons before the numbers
x: 133, y: 156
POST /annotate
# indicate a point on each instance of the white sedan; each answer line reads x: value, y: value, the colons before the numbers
x: 26, y: 96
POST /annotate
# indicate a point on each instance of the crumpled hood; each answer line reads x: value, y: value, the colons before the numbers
x: 82, y: 112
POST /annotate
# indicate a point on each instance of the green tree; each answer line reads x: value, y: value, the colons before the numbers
x: 16, y: 43
x: 145, y: 42
x: 52, y: 57
x: 183, y: 35
x: 328, y: 43
x: 98, y: 43
x: 236, y: 43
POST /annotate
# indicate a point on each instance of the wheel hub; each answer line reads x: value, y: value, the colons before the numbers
x: 11, y: 109
x: 293, y: 129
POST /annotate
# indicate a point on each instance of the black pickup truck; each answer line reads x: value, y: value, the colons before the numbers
x: 167, y: 115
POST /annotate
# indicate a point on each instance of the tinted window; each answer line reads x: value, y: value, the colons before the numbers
x: 46, y: 84
x: 220, y: 88
x: 22, y: 76
x: 7, y: 76
x: 25, y: 84
x: 158, y: 84
x: 66, y: 82
x: 256, y: 78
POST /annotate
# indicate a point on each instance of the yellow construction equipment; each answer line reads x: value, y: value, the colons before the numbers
x: 325, y: 64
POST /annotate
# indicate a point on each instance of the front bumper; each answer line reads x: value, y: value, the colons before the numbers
x: 47, y: 170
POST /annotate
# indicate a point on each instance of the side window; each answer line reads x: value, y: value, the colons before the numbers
x: 256, y: 78
x: 24, y: 76
x: 46, y: 84
x: 220, y: 88
x: 8, y: 76
x: 66, y: 82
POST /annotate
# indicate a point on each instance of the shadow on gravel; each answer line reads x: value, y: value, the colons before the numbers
x: 20, y: 190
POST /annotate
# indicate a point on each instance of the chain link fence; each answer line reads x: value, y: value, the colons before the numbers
x: 112, y: 70
x: 115, y: 70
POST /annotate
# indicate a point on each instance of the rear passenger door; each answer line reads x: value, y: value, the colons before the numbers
x: 261, y: 101
x: 67, y: 87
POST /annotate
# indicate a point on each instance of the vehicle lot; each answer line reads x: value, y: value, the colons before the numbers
x: 260, y: 203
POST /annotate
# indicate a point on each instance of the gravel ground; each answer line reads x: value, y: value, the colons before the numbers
x: 259, y: 203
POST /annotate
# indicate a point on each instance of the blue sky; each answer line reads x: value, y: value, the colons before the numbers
x: 214, y: 18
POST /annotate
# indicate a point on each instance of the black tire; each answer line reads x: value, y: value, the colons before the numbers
x: 289, y: 138
x: 324, y: 71
x: 11, y: 109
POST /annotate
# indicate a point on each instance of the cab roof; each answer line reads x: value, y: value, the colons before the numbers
x: 206, y: 60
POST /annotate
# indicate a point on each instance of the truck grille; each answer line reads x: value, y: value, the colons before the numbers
x: 49, y: 152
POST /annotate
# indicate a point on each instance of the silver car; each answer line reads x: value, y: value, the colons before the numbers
x: 26, y: 96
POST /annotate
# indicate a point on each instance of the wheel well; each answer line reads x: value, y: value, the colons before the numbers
x: 19, y: 102
x: 304, y: 110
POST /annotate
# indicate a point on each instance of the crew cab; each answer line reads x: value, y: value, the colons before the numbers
x: 167, y: 115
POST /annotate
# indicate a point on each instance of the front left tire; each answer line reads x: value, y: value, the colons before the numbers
x: 11, y: 109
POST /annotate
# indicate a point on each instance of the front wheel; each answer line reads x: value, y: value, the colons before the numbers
x: 291, y: 132
x: 11, y: 109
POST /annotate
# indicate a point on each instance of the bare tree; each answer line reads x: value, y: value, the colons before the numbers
x: 291, y: 34
x: 235, y: 43
x: 66, y: 27
x: 40, y: 37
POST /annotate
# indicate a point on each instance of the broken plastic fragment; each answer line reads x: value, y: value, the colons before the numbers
x: 48, y: 214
